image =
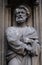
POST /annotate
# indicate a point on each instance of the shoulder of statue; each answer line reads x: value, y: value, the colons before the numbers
x: 10, y: 30
x: 32, y: 29
x: 11, y: 33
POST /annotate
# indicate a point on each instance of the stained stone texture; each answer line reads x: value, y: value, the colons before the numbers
x: 1, y: 32
x: 5, y: 22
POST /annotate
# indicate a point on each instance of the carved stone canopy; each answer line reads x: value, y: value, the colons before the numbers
x: 15, y: 3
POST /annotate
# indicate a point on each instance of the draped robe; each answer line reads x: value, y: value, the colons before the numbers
x: 16, y: 48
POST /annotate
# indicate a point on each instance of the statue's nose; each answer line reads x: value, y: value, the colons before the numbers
x: 20, y: 15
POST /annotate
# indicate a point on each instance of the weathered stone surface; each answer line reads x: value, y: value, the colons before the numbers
x: 4, y: 18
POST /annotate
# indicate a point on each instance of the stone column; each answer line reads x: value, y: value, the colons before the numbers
x: 38, y: 24
x: 41, y: 27
x: 1, y: 32
x: 5, y: 21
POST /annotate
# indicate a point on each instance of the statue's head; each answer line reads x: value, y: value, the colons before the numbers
x: 22, y: 14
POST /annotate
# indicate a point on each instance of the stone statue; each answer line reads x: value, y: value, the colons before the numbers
x: 23, y: 44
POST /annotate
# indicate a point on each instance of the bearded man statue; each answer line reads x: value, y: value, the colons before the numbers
x: 23, y: 44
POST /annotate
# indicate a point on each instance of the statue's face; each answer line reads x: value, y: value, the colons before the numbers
x: 20, y: 15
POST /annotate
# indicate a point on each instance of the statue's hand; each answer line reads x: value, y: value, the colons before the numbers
x: 27, y: 40
x: 33, y: 52
x: 29, y: 48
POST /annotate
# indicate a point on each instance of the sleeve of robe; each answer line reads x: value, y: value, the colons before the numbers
x: 33, y: 36
x: 36, y: 46
x: 15, y: 44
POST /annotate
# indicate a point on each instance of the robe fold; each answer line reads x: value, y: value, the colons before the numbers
x: 16, y: 48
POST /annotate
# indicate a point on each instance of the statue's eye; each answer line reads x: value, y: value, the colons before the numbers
x: 22, y: 12
x: 18, y: 12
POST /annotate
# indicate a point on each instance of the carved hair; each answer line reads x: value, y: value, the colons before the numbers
x: 26, y: 8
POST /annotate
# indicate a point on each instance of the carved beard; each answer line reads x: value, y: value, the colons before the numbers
x: 21, y: 19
